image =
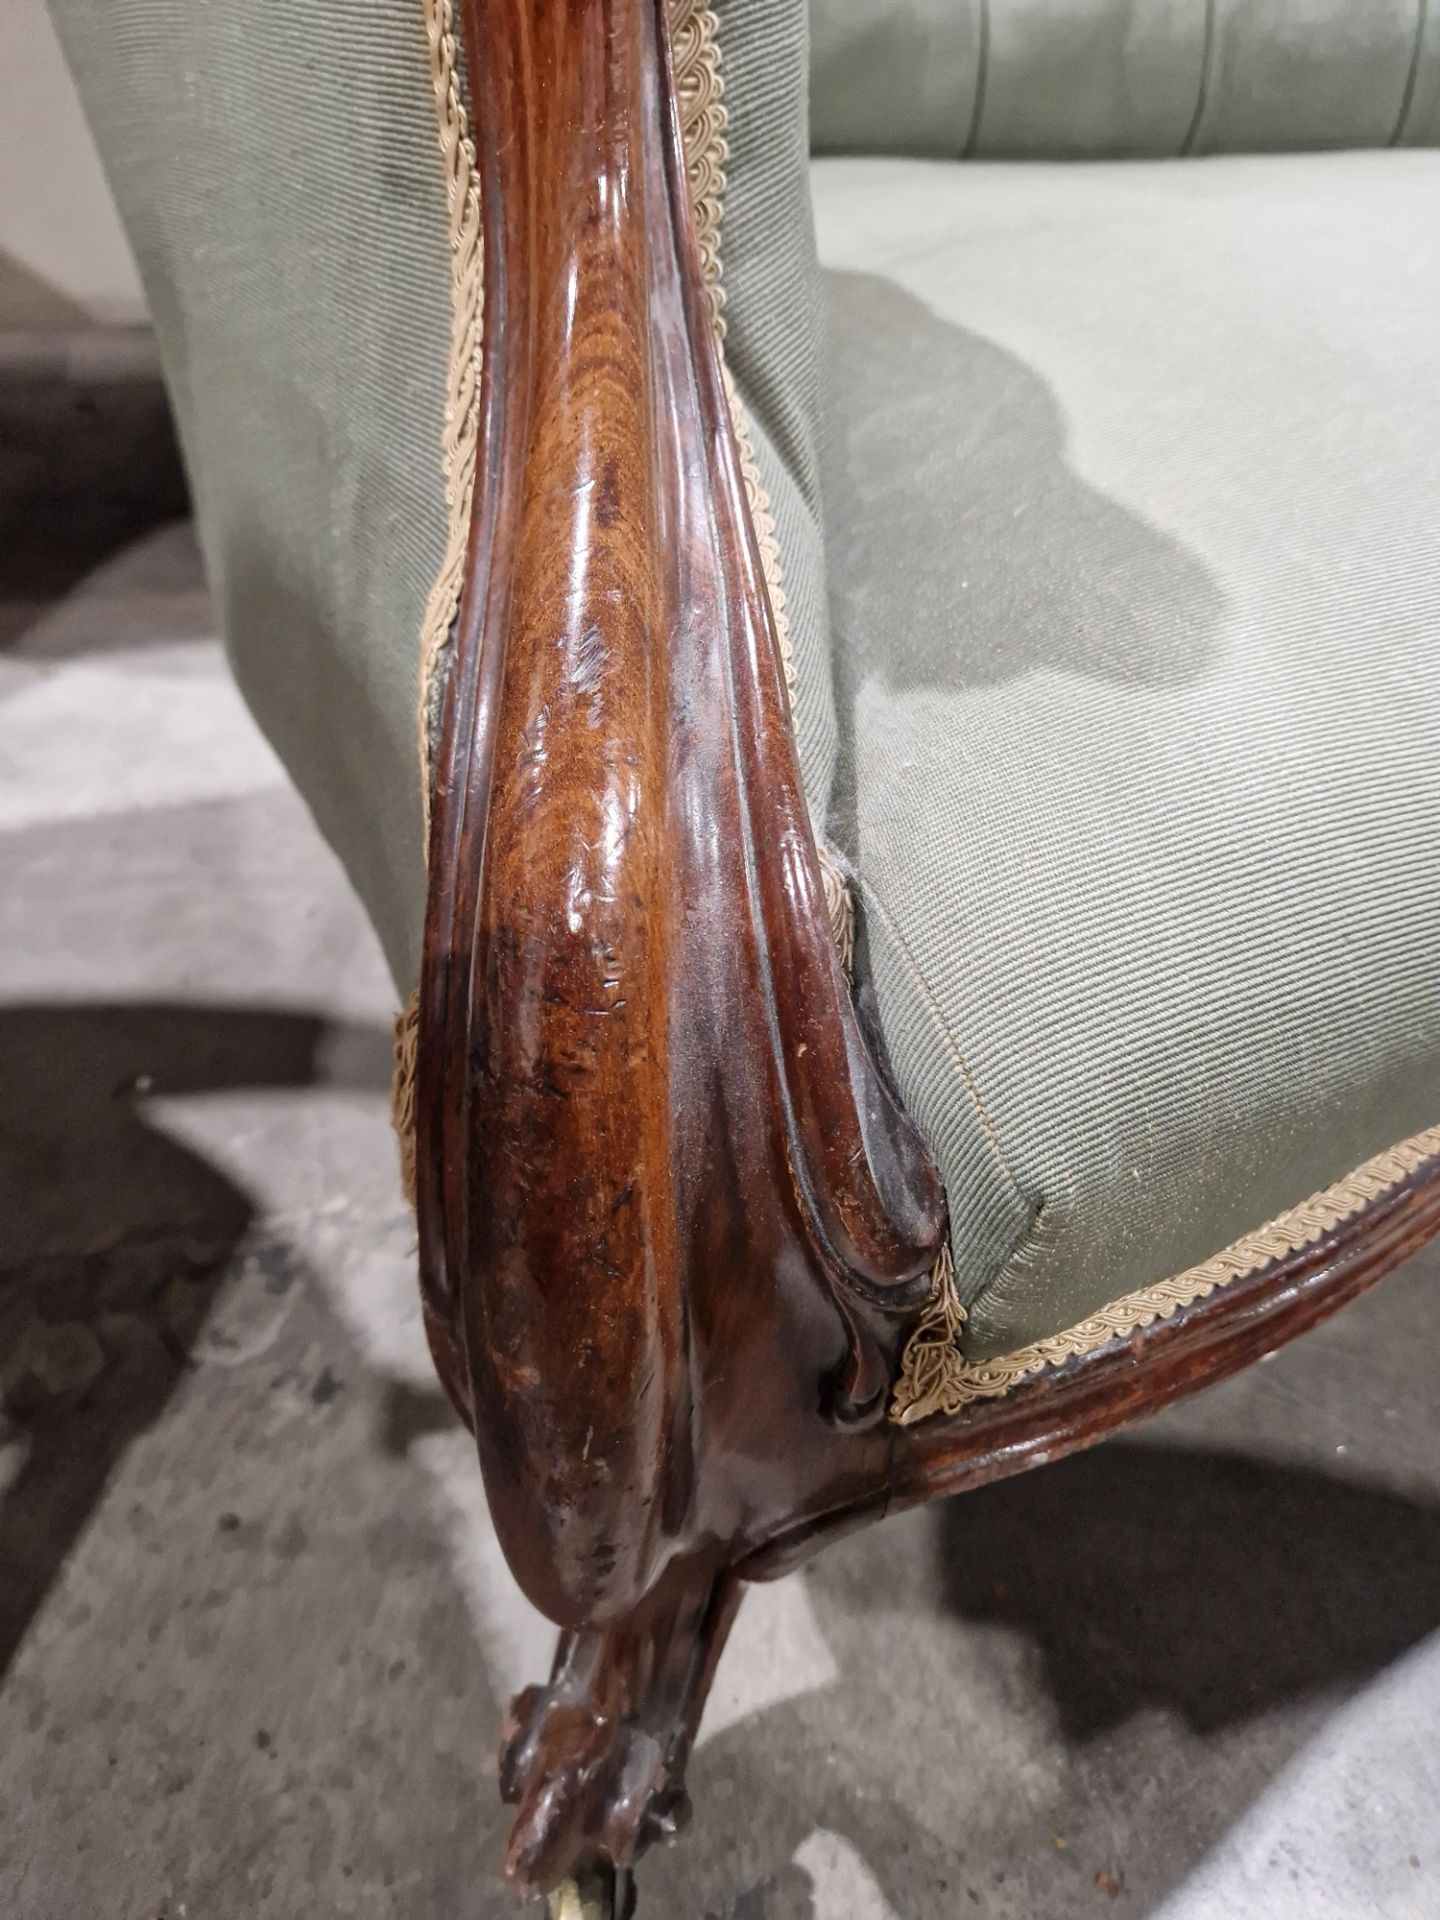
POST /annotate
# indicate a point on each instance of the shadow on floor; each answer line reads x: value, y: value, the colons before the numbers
x: 88, y: 464
x: 1120, y: 1618
x: 1159, y: 1594
x: 117, y: 1238
x: 1213, y: 1587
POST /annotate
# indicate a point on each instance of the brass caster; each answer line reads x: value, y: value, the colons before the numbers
x: 599, y: 1894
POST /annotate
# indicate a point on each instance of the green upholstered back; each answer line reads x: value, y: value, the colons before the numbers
x: 1063, y: 79
x: 280, y: 184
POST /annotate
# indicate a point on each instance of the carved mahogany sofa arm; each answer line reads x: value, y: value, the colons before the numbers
x: 674, y: 1226
x: 713, y: 1267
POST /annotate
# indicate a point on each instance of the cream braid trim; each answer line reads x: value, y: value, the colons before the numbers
x: 936, y: 1378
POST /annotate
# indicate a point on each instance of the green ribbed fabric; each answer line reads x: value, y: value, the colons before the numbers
x: 1029, y: 78
x: 280, y: 180
x: 1136, y: 603
x: 775, y: 325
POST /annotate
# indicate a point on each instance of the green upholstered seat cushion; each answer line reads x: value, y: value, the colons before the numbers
x: 1066, y: 78
x: 1133, y: 509
x: 279, y: 173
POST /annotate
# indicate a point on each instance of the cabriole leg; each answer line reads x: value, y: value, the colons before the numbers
x: 594, y: 1761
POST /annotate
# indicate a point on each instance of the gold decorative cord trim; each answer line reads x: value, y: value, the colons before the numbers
x: 462, y: 386
x: 839, y: 905
x: 700, y: 93
x: 457, y: 466
x: 935, y: 1377
x: 402, y: 1089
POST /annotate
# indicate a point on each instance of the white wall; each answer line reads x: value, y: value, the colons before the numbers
x: 63, y: 258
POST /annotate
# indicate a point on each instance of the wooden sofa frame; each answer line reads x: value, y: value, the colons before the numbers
x: 675, y: 1228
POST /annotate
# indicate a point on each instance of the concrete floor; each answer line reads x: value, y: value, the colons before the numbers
x: 254, y: 1628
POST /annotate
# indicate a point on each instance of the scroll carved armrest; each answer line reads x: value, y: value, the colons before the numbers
x: 673, y: 1225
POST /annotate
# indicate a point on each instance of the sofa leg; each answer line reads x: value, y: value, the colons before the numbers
x: 594, y: 1761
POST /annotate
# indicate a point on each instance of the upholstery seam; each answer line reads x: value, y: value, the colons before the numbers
x: 982, y: 73
x: 698, y: 75
x: 462, y: 376
x: 967, y: 1076
x: 1412, y: 78
x: 1202, y: 96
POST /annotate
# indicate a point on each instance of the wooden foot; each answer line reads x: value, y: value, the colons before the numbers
x: 594, y: 1761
